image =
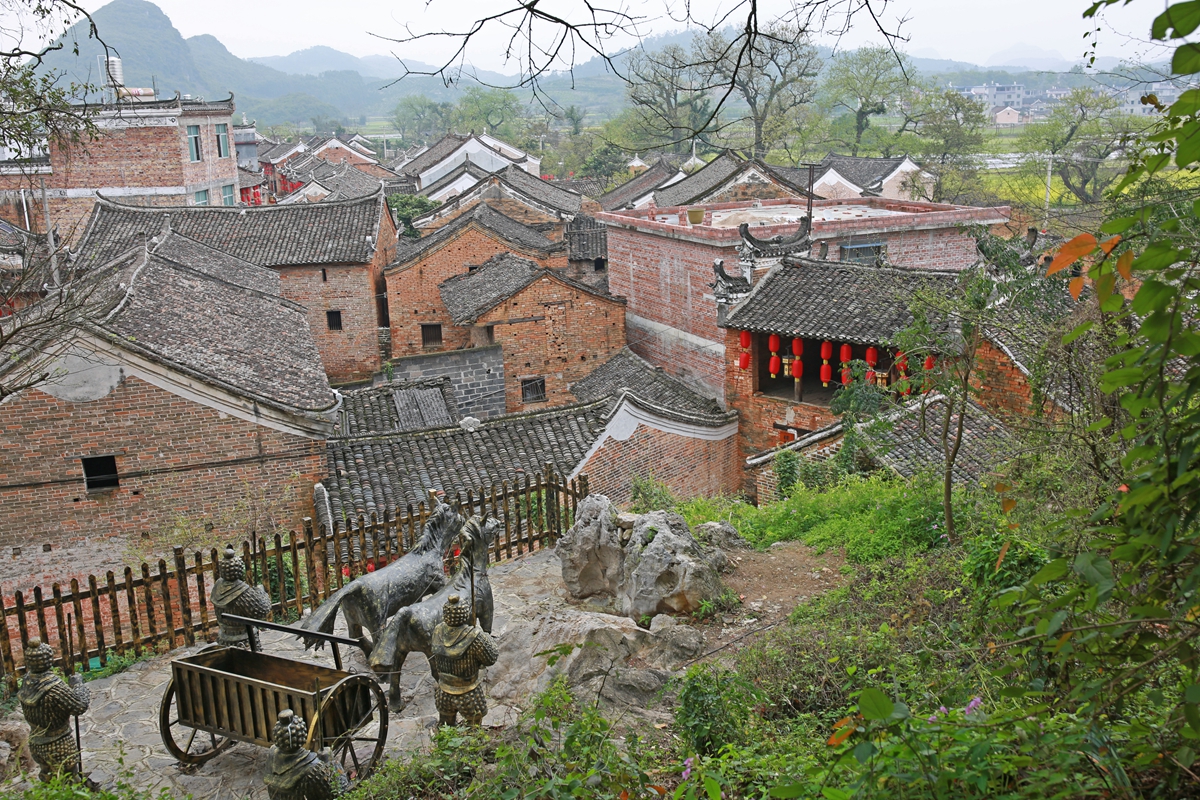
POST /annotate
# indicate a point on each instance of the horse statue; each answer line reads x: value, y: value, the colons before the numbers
x: 368, y: 600
x: 411, y: 630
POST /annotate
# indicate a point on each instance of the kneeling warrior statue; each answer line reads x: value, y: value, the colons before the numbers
x: 231, y: 594
x: 48, y: 703
x: 460, y: 649
x: 296, y: 773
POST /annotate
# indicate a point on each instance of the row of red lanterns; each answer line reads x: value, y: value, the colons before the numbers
x: 776, y: 365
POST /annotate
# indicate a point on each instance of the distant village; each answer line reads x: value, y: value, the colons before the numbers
x: 269, y: 322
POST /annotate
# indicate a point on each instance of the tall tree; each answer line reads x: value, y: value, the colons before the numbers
x: 865, y: 83
x: 668, y: 95
x: 574, y: 115
x: 949, y: 130
x: 773, y: 74
x: 419, y: 119
x: 487, y: 111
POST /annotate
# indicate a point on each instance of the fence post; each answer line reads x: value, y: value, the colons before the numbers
x: 185, y: 595
x: 168, y: 609
x: 309, y: 565
x: 6, y: 654
x: 584, y: 491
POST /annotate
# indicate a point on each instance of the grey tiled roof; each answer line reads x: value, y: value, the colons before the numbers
x: 248, y: 179
x: 214, y: 263
x: 588, y: 187
x: 469, y: 295
x: 839, y: 301
x: 586, y: 238
x: 344, y: 179
x: 254, y: 344
x: 468, y: 167
x: 560, y: 199
x: 398, y: 407
x: 437, y: 151
x: 700, y: 182
x: 270, y: 236
x: 627, y: 370
x: 867, y: 173
x: 640, y: 185
x: 908, y: 442
x: 380, y: 474
x: 484, y: 215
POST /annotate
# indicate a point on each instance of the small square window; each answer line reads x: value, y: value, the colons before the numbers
x: 100, y: 473
x: 599, y: 265
x: 533, y: 390
x: 431, y: 335
x: 334, y: 319
x: 201, y: 197
x: 227, y: 194
x: 222, y: 141
x: 193, y: 139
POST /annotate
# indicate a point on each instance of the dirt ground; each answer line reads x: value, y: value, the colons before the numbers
x: 771, y: 584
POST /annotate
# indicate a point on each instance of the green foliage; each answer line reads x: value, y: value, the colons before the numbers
x: 997, y: 560
x: 728, y: 600
x: 714, y: 709
x: 648, y: 494
x: 787, y: 471
x: 407, y: 206
x: 61, y: 787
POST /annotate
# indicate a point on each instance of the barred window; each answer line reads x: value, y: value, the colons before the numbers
x: 533, y: 390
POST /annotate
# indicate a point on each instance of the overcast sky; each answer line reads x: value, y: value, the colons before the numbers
x: 966, y: 30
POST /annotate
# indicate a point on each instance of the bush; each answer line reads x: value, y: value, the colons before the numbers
x: 714, y: 708
x: 647, y: 494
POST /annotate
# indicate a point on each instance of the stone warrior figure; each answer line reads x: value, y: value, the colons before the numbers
x: 296, y: 773
x: 48, y: 703
x: 231, y: 594
x: 460, y: 649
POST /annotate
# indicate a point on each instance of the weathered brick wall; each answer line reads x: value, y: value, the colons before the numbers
x: 690, y: 467
x: 477, y: 375
x: 939, y: 248
x: 557, y: 332
x: 749, y: 190
x: 351, y: 354
x: 179, y: 462
x: 340, y: 155
x: 1002, y: 385
x: 412, y: 291
x: 549, y: 225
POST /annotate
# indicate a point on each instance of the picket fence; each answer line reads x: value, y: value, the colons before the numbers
x: 159, y: 607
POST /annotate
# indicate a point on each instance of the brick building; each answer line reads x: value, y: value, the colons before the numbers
x: 552, y: 330
x: 419, y: 320
x: 894, y: 178
x: 730, y: 178
x: 330, y: 257
x: 663, y: 266
x: 638, y: 191
x: 159, y: 152
x: 189, y: 384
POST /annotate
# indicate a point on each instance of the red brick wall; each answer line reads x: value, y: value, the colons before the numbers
x: 565, y: 334
x: 340, y: 155
x: 940, y: 248
x: 1002, y: 385
x: 691, y: 467
x: 550, y: 226
x: 412, y: 291
x: 187, y: 447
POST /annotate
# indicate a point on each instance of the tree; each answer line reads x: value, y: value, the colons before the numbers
x: 486, y: 110
x: 575, y: 115
x: 419, y: 119
x: 1083, y: 133
x: 670, y: 101
x: 407, y: 206
x: 772, y: 74
x: 949, y: 130
x: 865, y: 83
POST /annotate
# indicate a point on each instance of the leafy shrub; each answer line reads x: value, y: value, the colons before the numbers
x: 714, y: 708
x: 61, y: 787
x: 647, y: 494
x: 987, y: 570
x: 787, y: 471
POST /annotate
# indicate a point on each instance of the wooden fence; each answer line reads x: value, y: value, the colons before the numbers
x: 161, y: 606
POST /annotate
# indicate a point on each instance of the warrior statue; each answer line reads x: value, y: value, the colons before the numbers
x: 232, y: 595
x: 296, y: 773
x: 48, y: 703
x: 460, y: 649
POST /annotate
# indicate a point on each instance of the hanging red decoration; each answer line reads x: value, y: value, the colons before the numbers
x: 797, y: 368
x: 872, y: 357
x: 846, y: 377
x: 846, y: 353
x: 776, y: 365
x: 797, y: 347
x: 826, y: 374
x: 773, y: 342
x: 744, y: 339
x: 870, y: 376
x: 826, y: 350
x: 744, y: 361
x: 928, y: 362
x: 901, y: 362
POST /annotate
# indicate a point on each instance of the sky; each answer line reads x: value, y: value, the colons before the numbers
x: 976, y: 31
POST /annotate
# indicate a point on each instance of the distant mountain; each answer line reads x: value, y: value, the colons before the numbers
x: 314, y: 61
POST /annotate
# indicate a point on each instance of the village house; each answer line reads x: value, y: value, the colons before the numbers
x: 638, y: 191
x: 271, y: 158
x: 730, y: 178
x: 552, y: 330
x: 330, y: 257
x: 451, y: 151
x: 153, y: 152
x: 860, y: 176
x: 663, y: 265
x: 187, y: 383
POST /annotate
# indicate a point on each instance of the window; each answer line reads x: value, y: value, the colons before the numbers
x: 489, y: 334
x: 193, y: 137
x: 227, y: 195
x: 202, y: 197
x: 100, y: 473
x: 599, y: 265
x: 863, y: 253
x: 533, y: 390
x: 222, y: 141
x: 324, y: 275
x: 334, y: 320
x: 431, y: 335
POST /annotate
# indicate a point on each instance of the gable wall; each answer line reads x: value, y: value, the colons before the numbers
x: 756, y: 188
x: 513, y: 209
x: 203, y: 467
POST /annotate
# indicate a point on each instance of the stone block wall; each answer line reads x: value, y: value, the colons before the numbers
x: 181, y: 466
x: 476, y: 374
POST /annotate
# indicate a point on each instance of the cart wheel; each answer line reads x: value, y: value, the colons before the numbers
x: 188, y: 745
x: 353, y: 724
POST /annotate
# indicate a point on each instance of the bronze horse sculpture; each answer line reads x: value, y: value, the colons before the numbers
x: 368, y: 600
x: 411, y: 629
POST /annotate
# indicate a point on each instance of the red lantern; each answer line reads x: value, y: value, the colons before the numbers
x: 872, y: 356
x: 846, y: 353
x: 928, y: 362
x: 901, y: 362
x: 776, y: 365
x: 797, y: 347
x: 744, y: 361
x: 826, y: 374
x: 870, y: 376
x: 826, y: 350
x: 773, y: 342
x: 797, y: 368
x: 846, y: 377
x: 744, y: 338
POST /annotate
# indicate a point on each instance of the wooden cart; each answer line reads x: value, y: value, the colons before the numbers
x: 223, y: 695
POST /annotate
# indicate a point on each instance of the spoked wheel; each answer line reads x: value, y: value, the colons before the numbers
x: 353, y: 724
x: 189, y: 745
